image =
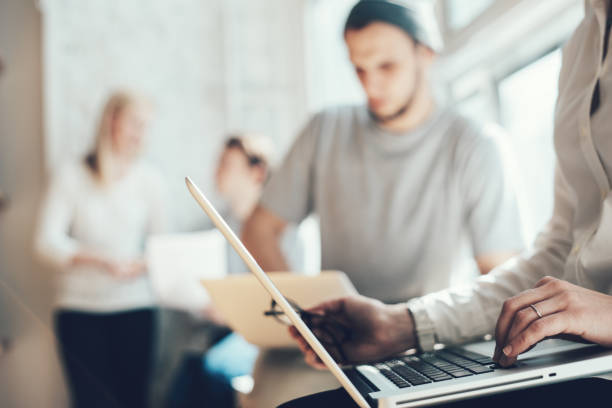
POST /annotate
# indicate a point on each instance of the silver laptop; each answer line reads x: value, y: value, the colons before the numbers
x: 432, y: 378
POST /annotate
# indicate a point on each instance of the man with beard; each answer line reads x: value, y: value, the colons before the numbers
x: 411, y: 197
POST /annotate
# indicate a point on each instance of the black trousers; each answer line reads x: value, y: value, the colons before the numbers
x: 586, y: 392
x: 107, y: 357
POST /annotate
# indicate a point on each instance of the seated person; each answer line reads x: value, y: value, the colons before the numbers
x: 243, y: 167
x: 562, y: 287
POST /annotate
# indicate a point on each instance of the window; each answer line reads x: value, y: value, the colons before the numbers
x: 527, y: 102
x: 501, y: 68
x: 478, y: 107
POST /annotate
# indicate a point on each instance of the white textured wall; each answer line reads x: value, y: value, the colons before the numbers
x: 210, y: 66
x: 331, y: 76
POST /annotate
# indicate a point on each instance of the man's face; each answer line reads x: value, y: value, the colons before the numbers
x: 389, y: 66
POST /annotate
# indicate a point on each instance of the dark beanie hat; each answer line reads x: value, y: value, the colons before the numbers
x: 392, y: 12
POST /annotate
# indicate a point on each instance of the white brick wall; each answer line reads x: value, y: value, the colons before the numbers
x: 210, y: 66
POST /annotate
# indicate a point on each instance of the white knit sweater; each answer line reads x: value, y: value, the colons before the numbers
x: 113, y: 221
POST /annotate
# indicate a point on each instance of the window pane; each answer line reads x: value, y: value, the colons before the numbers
x: 527, y: 99
x: 477, y: 107
x: 461, y: 12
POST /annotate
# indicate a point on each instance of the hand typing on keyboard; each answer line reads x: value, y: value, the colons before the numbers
x: 554, y: 307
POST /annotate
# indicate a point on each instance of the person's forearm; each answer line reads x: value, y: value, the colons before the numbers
x: 464, y: 313
x: 89, y: 259
x: 264, y: 245
x: 401, y: 327
x: 125, y: 269
x: 266, y: 250
x: 488, y: 262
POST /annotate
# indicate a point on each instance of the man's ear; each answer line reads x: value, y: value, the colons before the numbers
x: 426, y: 54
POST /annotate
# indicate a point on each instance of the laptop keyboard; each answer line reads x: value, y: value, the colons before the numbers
x: 434, y: 367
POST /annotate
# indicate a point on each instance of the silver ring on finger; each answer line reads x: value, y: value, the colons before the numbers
x: 535, y: 309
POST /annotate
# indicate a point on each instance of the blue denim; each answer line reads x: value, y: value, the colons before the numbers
x: 230, y: 358
x: 206, y: 381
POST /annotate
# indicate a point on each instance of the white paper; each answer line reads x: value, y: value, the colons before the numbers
x: 178, y: 262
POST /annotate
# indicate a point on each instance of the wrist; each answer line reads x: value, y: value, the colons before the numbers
x: 423, y: 327
x: 402, y: 328
x: 86, y: 258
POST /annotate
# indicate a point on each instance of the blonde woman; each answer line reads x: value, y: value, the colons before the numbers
x: 94, y: 220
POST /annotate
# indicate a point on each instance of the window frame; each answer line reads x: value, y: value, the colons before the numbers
x: 486, y: 69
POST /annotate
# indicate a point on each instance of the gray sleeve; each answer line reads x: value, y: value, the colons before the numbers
x: 289, y: 192
x: 490, y: 203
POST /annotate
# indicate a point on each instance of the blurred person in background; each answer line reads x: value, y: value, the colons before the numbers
x: 244, y: 165
x: 93, y: 224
